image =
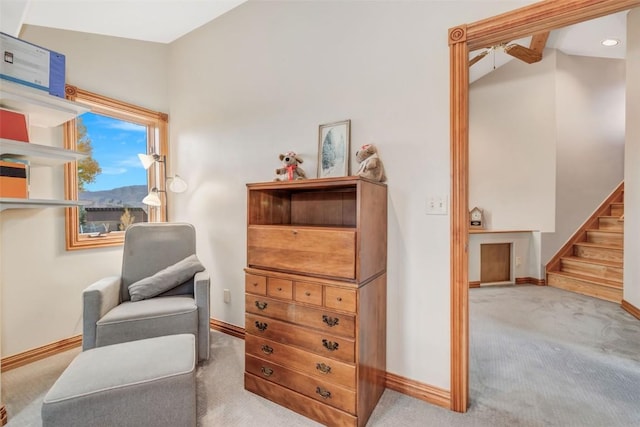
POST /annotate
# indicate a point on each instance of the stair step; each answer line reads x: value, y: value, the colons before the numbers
x: 603, y: 289
x: 598, y: 251
x: 610, y: 223
x: 617, y: 209
x: 605, y: 269
x: 607, y: 237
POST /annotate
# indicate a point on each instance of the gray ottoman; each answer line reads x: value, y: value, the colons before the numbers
x: 150, y: 382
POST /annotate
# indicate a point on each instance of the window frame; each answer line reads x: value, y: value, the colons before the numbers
x: 157, y: 142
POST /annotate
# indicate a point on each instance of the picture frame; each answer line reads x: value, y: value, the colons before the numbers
x: 334, y: 140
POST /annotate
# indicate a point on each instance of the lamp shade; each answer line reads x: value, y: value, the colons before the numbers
x: 152, y: 199
x: 148, y: 160
x: 177, y: 185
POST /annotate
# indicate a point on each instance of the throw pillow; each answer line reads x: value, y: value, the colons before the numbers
x: 165, y: 279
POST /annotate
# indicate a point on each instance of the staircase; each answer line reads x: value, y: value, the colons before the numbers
x: 591, y: 262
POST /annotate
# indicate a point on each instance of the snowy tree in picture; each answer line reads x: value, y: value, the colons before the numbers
x: 334, y: 141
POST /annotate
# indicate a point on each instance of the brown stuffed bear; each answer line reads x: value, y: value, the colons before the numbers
x: 371, y: 166
x: 290, y: 170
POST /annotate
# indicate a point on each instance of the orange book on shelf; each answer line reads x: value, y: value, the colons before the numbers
x: 13, y: 180
x: 13, y: 125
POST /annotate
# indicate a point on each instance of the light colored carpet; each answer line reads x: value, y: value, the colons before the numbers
x: 567, y: 359
x: 539, y: 357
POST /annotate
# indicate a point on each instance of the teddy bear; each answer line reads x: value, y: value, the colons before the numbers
x: 290, y: 170
x: 371, y: 166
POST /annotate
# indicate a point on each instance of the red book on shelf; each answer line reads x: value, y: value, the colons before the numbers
x: 13, y: 125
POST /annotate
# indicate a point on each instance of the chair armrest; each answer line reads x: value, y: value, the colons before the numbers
x: 201, y: 293
x: 98, y: 299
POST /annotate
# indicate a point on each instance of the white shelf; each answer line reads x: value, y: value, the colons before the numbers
x: 38, y: 154
x: 10, y: 203
x: 44, y: 110
x: 483, y: 231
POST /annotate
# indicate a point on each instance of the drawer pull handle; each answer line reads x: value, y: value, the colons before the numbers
x: 330, y: 345
x: 261, y: 326
x: 331, y: 321
x: 261, y: 305
x: 308, y: 293
x: 267, y: 372
x: 325, y: 369
x: 294, y: 232
x: 255, y: 284
x: 325, y: 394
x: 279, y: 289
x: 339, y: 299
x: 266, y: 349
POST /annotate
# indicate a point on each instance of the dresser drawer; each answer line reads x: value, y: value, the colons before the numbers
x: 309, y: 293
x: 324, y: 414
x: 318, y: 342
x: 322, y: 251
x: 306, y: 362
x: 323, y: 391
x: 280, y: 288
x: 340, y: 299
x: 255, y: 284
x: 323, y: 320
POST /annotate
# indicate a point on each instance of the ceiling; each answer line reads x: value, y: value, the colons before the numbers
x: 161, y: 21
x: 584, y: 39
x: 164, y: 21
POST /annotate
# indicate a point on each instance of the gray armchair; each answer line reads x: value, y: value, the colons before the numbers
x: 109, y: 315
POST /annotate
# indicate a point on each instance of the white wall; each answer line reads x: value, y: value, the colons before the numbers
x: 512, y: 145
x: 41, y: 282
x: 242, y: 89
x: 632, y: 160
x: 546, y: 145
x: 590, y: 141
x: 259, y: 81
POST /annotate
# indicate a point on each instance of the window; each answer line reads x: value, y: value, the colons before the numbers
x: 111, y: 180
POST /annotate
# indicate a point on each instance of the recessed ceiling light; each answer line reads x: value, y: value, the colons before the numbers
x: 610, y: 42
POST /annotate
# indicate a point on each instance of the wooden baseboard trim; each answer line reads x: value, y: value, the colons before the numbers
x: 226, y: 328
x: 518, y: 281
x: 427, y: 393
x: 38, y: 353
x: 530, y: 281
x: 632, y: 309
x: 3, y: 415
x: 424, y: 392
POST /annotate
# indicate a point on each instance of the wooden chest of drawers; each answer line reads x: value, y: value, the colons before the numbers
x: 316, y: 297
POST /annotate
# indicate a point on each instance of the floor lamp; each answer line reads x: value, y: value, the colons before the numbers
x: 175, y: 183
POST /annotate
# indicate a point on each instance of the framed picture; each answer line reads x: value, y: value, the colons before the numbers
x: 333, y: 149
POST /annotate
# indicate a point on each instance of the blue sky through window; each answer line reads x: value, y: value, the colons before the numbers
x: 116, y: 144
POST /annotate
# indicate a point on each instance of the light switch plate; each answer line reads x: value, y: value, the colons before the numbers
x: 437, y: 205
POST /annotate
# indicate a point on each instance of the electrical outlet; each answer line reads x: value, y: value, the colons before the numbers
x: 518, y: 261
x: 227, y: 296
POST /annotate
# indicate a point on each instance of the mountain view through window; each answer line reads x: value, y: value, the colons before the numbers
x: 111, y: 181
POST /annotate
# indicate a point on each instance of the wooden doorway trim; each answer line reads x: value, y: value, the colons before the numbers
x: 530, y: 20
